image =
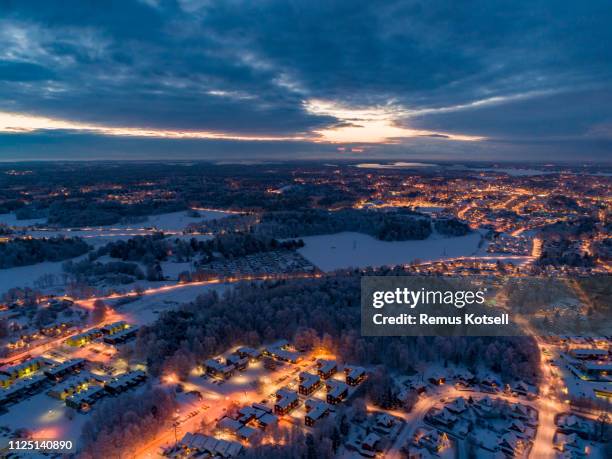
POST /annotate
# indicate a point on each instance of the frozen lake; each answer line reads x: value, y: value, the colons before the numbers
x: 344, y: 250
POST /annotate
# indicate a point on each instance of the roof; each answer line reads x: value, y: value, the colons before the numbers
x: 65, y: 366
x: 217, y: 366
x: 356, y: 372
x: 249, y: 351
x: 338, y: 389
x: 210, y: 444
x: 589, y: 351
x: 326, y: 366
x: 229, y: 424
x: 246, y: 432
x: 308, y: 380
x: 593, y: 366
x: 318, y: 411
x: 268, y: 419
x: 24, y: 365
x: 371, y: 439
x: 126, y: 379
x: 287, y: 397
x: 86, y: 394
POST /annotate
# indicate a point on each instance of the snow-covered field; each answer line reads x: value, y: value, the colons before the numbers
x: 179, y: 220
x: 28, y: 276
x: 348, y: 249
x: 11, y: 220
x: 50, y: 272
x: 145, y: 310
x: 46, y: 416
x: 172, y: 221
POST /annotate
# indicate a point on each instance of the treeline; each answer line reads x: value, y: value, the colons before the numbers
x: 326, y: 309
x: 114, y: 272
x: 387, y: 226
x: 451, y: 227
x: 93, y: 213
x: 232, y: 245
x: 230, y: 223
x: 155, y: 248
x: 119, y: 426
x: 146, y: 249
x: 25, y: 251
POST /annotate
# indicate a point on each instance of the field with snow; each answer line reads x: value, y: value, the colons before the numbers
x: 11, y: 220
x: 348, y: 249
x: 146, y: 309
x: 169, y: 222
x: 29, y: 276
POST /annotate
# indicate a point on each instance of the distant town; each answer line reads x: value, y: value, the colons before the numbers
x: 200, y: 310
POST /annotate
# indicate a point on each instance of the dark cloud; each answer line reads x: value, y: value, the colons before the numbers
x: 246, y: 67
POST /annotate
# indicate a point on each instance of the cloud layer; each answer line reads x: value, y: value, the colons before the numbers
x: 275, y: 78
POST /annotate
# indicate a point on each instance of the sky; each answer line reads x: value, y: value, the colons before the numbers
x: 203, y: 79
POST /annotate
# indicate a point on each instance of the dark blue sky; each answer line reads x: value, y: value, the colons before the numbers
x: 306, y: 79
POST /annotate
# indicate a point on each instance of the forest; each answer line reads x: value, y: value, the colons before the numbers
x: 114, y: 272
x: 93, y: 213
x: 324, y: 311
x: 119, y: 425
x: 26, y: 251
x: 399, y: 225
x: 157, y: 247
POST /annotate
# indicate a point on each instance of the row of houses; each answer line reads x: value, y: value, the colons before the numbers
x: 251, y: 421
x: 119, y: 332
x: 586, y: 353
x: 237, y: 361
x: 592, y: 371
x: 195, y: 445
x: 114, y: 333
x: 82, y: 339
x: 88, y: 392
x: 26, y: 386
x: 75, y: 385
x: 218, y: 369
x: 354, y: 375
x: 57, y: 372
x: 514, y: 435
x: 22, y: 370
x: 248, y: 352
x: 282, y: 352
x: 27, y: 377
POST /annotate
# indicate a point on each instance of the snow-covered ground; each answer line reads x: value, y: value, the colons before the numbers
x: 46, y: 416
x: 32, y: 276
x: 348, y: 249
x: 172, y: 269
x: 11, y: 220
x: 145, y: 310
x: 179, y: 220
x: 173, y: 221
x: 28, y: 276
